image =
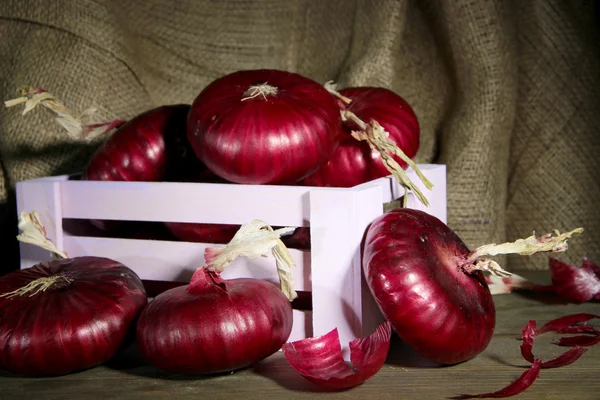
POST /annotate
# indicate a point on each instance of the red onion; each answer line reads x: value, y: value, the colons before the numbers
x: 320, y: 361
x: 356, y: 162
x: 214, y: 325
x: 577, y: 285
x: 66, y: 315
x: 429, y: 285
x: 264, y: 126
x: 144, y: 149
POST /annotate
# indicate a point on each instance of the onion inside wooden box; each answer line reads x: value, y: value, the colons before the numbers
x: 330, y: 271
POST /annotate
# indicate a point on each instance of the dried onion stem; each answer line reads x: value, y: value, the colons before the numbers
x: 378, y: 139
x: 75, y: 127
x: 252, y: 240
x: 524, y: 247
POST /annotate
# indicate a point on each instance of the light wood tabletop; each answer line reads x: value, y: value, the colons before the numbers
x: 404, y: 376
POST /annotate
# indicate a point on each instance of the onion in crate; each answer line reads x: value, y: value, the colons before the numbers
x: 356, y: 162
x: 67, y: 314
x: 264, y: 126
x: 215, y: 325
x: 430, y: 286
x: 150, y: 147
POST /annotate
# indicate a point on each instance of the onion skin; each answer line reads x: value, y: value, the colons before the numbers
x: 355, y: 162
x: 576, y: 285
x: 72, y: 325
x: 411, y: 263
x: 276, y: 138
x: 214, y: 325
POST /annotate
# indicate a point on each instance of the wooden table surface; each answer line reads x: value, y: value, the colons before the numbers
x: 405, y: 376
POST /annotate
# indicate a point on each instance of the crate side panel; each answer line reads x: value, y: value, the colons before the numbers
x: 186, y: 202
x: 338, y: 221
x: 177, y: 261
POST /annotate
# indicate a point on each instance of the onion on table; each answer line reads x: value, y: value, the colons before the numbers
x: 430, y: 286
x: 67, y: 314
x: 214, y: 325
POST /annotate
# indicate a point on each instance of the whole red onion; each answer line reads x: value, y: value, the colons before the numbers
x: 150, y: 147
x: 429, y: 285
x: 355, y: 162
x: 214, y: 325
x: 66, y: 315
x: 412, y: 265
x: 264, y: 126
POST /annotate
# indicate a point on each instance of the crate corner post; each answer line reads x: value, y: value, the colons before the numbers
x: 338, y: 220
x: 44, y: 197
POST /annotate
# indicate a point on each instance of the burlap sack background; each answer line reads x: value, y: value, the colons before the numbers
x: 507, y: 92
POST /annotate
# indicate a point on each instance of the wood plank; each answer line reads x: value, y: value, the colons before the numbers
x: 405, y: 376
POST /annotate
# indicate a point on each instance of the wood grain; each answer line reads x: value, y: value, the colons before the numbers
x: 405, y: 376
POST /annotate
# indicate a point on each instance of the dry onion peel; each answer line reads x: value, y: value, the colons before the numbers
x: 528, y: 335
x: 320, y: 361
x: 518, y: 386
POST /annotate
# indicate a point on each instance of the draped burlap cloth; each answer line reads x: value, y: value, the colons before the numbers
x: 507, y: 92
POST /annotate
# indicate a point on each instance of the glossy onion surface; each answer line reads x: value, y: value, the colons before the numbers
x: 412, y: 262
x: 355, y: 162
x: 150, y: 147
x: 214, y: 325
x: 279, y: 137
x: 72, y: 325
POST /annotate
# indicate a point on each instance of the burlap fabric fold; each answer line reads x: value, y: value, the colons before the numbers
x: 507, y: 92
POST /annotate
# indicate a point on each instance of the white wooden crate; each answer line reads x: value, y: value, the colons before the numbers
x: 330, y: 270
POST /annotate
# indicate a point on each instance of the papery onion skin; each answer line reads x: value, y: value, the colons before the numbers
x: 276, y: 138
x: 412, y: 262
x: 214, y: 325
x: 355, y: 162
x: 73, y: 325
